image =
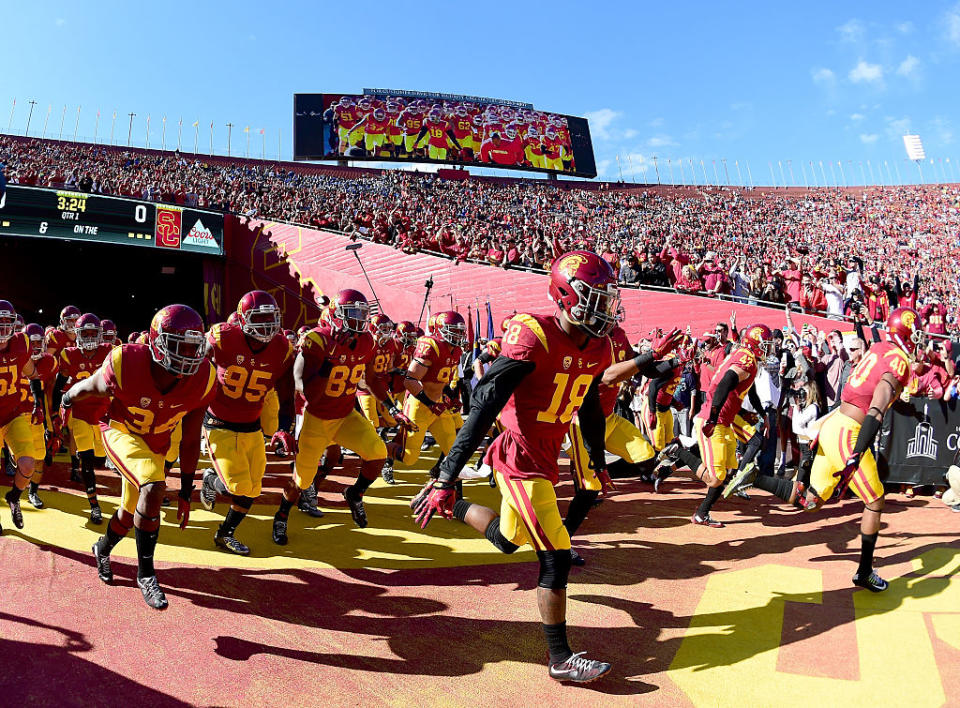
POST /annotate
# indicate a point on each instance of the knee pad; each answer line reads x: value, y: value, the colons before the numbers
x: 554, y: 569
x: 243, y: 502
x: 499, y: 541
x: 147, y: 523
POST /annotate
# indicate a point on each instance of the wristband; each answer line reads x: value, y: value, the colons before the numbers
x: 424, y: 399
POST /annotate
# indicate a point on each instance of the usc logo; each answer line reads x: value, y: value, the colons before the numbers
x: 908, y: 318
x: 569, y: 265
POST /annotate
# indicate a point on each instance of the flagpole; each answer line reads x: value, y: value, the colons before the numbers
x: 739, y: 175
x: 749, y: 174
x: 196, y: 136
x: 30, y: 117
x: 211, y: 137
x: 279, y: 133
x: 130, y: 128
x: 46, y: 120
x: 63, y: 117
x: 229, y: 137
x: 248, y: 141
x: 113, y: 123
x: 179, y: 132
x: 163, y: 133
x: 76, y: 127
x: 263, y: 144
x: 96, y: 128
x: 148, y: 130
x: 12, y: 109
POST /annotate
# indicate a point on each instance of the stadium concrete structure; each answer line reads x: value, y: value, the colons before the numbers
x: 760, y: 613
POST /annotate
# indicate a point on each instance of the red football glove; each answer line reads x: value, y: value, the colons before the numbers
x: 707, y: 428
x: 286, y: 440
x: 440, y: 407
x: 403, y: 420
x: 434, y: 497
x: 183, y: 511
x: 54, y: 443
x: 652, y: 420
x: 846, y: 474
x: 36, y: 417
x: 670, y: 341
x: 606, y: 484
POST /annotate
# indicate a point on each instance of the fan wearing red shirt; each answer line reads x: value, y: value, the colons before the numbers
x: 152, y: 388
x: 549, y: 369
x: 76, y: 364
x: 934, y: 316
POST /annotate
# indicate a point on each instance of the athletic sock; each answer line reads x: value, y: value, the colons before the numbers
x: 868, y: 542
x: 89, y: 476
x: 107, y: 542
x: 34, y: 487
x: 713, y: 493
x: 146, y: 545
x: 777, y: 486
x: 230, y: 522
x: 360, y: 486
x: 579, y: 507
x: 754, y: 445
x: 14, y: 494
x: 284, y: 511
x: 460, y: 509
x: 557, y: 642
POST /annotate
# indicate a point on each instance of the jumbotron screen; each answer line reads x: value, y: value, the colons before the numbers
x: 440, y: 129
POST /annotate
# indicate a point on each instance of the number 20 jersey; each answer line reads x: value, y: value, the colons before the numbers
x: 538, y: 414
x: 138, y: 407
x: 245, y: 376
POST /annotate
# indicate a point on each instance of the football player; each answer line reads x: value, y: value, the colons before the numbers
x: 382, y: 328
x: 77, y: 363
x: 252, y: 358
x: 549, y: 369
x: 441, y: 136
x: 151, y: 388
x: 430, y: 382
x: 844, y: 456
x: 411, y: 120
x: 109, y: 330
x: 621, y: 436
x: 16, y: 361
x: 31, y: 407
x: 66, y: 334
x: 375, y: 127
x: 347, y: 115
x: 334, y: 358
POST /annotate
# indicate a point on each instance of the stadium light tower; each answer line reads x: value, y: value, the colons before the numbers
x: 29, y: 116
x: 914, y: 147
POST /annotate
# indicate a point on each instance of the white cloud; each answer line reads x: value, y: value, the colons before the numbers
x: 952, y: 23
x: 865, y: 72
x: 629, y: 133
x: 660, y: 141
x: 851, y: 31
x: 600, y: 122
x: 897, y: 127
x: 856, y: 116
x: 909, y: 66
x: 868, y: 138
x: 822, y: 76
x: 904, y: 27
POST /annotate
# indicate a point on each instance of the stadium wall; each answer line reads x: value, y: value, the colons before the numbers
x: 298, y: 262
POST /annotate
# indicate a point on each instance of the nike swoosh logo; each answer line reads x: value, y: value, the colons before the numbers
x: 592, y: 364
x: 177, y: 405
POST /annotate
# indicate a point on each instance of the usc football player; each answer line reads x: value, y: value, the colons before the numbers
x: 16, y: 361
x: 549, y: 370
x: 334, y: 358
x: 252, y: 359
x: 77, y: 363
x: 383, y: 329
x: 32, y: 410
x: 152, y: 388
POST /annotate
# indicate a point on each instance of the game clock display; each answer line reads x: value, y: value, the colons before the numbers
x: 52, y: 213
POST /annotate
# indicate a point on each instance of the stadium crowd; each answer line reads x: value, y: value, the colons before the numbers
x: 857, y: 254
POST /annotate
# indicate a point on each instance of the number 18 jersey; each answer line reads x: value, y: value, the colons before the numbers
x: 538, y: 414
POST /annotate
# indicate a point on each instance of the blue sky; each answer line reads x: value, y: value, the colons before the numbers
x: 749, y: 83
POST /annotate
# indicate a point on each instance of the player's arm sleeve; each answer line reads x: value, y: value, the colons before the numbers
x: 58, y: 391
x: 653, y: 388
x: 593, y: 426
x: 488, y: 399
x: 725, y: 387
x: 286, y: 395
x: 486, y: 357
x: 755, y: 401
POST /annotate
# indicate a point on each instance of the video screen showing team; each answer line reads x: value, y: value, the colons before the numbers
x: 454, y: 131
x: 359, y: 382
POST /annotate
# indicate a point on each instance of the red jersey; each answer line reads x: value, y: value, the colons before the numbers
x: 462, y: 127
x: 665, y: 394
x: 620, y: 350
x: 934, y: 317
x: 57, y: 341
x: 339, y: 366
x: 46, y: 371
x: 401, y: 363
x: 494, y: 347
x: 882, y: 358
x: 503, y: 154
x: 346, y: 117
x: 441, y: 359
x: 75, y: 366
x: 743, y: 359
x: 538, y: 414
x: 12, y: 361
x: 138, y: 407
x: 375, y: 127
x: 244, y: 375
x: 384, y: 361
x: 437, y: 134
x: 411, y: 122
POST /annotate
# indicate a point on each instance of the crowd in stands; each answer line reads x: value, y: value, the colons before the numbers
x: 845, y: 253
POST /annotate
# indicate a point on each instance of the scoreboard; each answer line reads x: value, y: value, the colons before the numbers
x: 78, y: 216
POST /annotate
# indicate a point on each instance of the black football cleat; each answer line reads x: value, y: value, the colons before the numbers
x: 208, y: 492
x: 96, y: 515
x: 15, y: 511
x: 229, y: 543
x: 357, y: 510
x: 576, y: 559
x: 307, y: 503
x: 578, y: 669
x: 104, y: 571
x: 279, y: 532
x: 872, y: 582
x: 706, y: 521
x: 152, y: 594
